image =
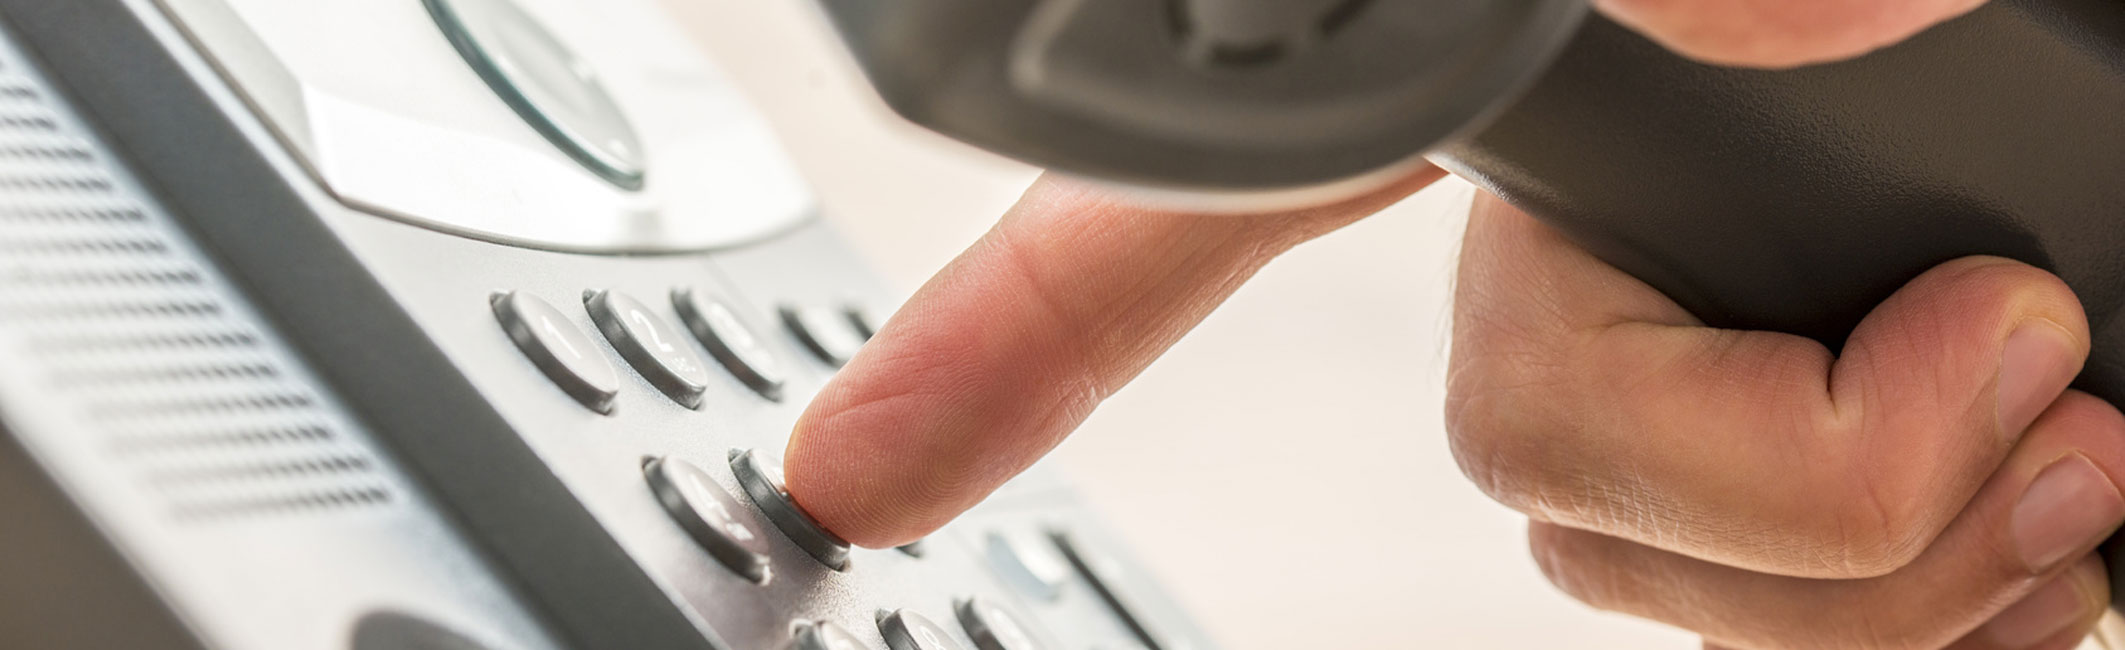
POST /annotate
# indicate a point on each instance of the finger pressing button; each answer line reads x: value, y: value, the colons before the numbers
x: 761, y: 476
x: 710, y: 515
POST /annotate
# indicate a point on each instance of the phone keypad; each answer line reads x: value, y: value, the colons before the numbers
x: 1037, y: 567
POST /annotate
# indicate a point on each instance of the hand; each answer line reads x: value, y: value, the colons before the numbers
x: 998, y: 358
x: 1932, y: 484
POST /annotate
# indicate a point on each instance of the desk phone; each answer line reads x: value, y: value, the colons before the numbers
x: 449, y: 325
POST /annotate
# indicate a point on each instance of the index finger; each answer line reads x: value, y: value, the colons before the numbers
x: 1007, y: 349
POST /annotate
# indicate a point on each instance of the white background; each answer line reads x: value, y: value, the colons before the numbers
x: 1283, y: 469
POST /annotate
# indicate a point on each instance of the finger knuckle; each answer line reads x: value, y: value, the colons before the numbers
x: 1872, y: 529
x: 1844, y: 515
x: 1489, y: 430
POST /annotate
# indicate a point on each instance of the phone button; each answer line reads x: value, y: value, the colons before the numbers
x: 860, y: 319
x: 821, y: 635
x: 761, y: 476
x: 905, y: 630
x: 993, y: 627
x: 709, y: 515
x: 1107, y: 578
x: 651, y: 343
x: 558, y: 348
x: 1034, y: 569
x: 727, y: 338
x: 828, y: 333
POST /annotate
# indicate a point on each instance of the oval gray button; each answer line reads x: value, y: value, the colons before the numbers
x: 906, y: 630
x: 650, y: 343
x: 560, y: 349
x: 821, y: 635
x: 710, y: 515
x: 727, y: 338
x: 993, y: 627
x: 1034, y: 569
x: 1106, y: 577
x: 828, y: 333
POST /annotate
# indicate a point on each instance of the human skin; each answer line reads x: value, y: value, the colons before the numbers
x: 1932, y: 484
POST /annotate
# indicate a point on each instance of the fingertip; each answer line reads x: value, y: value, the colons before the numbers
x: 2091, y: 576
x: 2003, y: 334
x: 842, y: 468
x: 2035, y: 293
x: 831, y: 486
x: 2090, y: 426
x: 838, y: 495
x: 2043, y: 342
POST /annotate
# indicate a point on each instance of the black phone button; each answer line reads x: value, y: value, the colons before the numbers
x: 905, y: 630
x: 710, y: 515
x: 993, y: 627
x: 727, y: 338
x: 761, y: 476
x: 651, y: 344
x: 560, y: 349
